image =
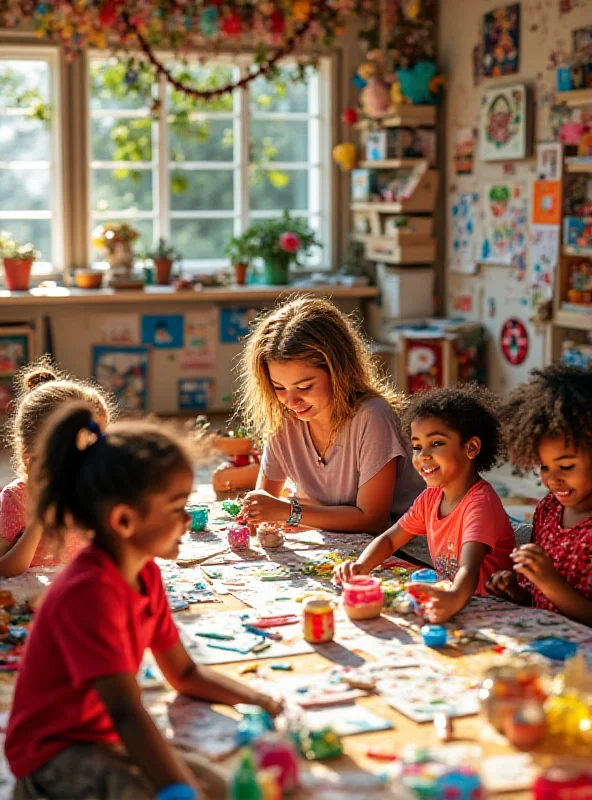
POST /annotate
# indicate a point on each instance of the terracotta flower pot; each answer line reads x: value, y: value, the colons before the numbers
x: 164, y: 267
x: 233, y: 447
x: 17, y: 273
x: 240, y: 273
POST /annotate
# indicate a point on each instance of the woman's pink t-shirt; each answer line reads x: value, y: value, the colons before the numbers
x: 13, y: 520
x: 479, y: 517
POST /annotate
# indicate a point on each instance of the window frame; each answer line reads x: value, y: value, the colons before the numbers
x: 162, y: 214
x: 34, y: 52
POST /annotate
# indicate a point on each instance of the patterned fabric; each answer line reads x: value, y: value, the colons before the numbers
x: 85, y: 772
x: 570, y: 550
x: 13, y: 519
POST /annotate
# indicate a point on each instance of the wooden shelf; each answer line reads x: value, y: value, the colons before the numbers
x: 578, y: 165
x: 393, y: 163
x: 382, y: 208
x: 406, y: 116
x: 575, y: 98
x: 579, y: 320
x: 393, y: 250
x: 582, y: 252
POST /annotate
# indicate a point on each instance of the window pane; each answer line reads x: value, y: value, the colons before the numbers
x: 279, y: 140
x: 201, y: 238
x: 280, y: 94
x: 202, y: 190
x: 145, y: 240
x: 24, y: 139
x: 121, y: 139
x: 271, y: 190
x: 25, y: 190
x: 122, y: 190
x: 202, y: 140
x: 24, y: 84
x: 109, y: 90
x: 209, y: 76
x: 36, y: 231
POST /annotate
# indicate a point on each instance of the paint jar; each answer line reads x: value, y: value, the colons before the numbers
x: 270, y: 535
x: 318, y: 621
x: 559, y: 783
x: 507, y: 688
x: 239, y: 536
x: 199, y: 517
x: 363, y: 597
x: 424, y: 576
x: 434, y: 635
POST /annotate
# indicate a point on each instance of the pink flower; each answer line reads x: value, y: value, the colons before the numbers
x: 289, y: 242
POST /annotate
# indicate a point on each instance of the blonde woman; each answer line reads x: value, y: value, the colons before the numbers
x: 329, y: 422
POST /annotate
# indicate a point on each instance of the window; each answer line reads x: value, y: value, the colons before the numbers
x: 200, y: 172
x: 30, y: 173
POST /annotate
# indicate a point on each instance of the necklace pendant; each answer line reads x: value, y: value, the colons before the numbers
x: 321, y: 462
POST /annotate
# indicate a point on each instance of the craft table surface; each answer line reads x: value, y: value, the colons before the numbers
x: 470, y: 731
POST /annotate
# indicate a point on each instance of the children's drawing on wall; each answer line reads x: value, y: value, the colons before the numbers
x: 234, y: 324
x: 501, y: 41
x: 544, y: 255
x: 14, y: 353
x: 503, y: 126
x: 120, y: 329
x: 504, y: 226
x: 165, y: 331
x: 549, y: 161
x: 201, y: 335
x: 123, y: 371
x: 195, y: 394
x: 465, y: 233
x: 581, y: 40
x: 464, y: 151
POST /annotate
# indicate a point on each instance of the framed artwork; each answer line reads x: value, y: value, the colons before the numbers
x: 464, y: 151
x: 501, y: 41
x: 465, y: 233
x: 366, y: 223
x: 549, y: 161
x: 195, y: 394
x: 546, y: 203
x: 234, y: 324
x: 581, y: 40
x: 6, y: 395
x: 124, y: 371
x: 15, y: 349
x: 503, y: 131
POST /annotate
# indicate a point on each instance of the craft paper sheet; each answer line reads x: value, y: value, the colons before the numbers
x: 465, y: 233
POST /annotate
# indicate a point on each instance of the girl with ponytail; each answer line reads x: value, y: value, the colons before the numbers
x: 78, y: 728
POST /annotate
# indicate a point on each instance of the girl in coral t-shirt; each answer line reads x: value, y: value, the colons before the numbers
x: 455, y: 434
x: 549, y: 423
x: 42, y: 389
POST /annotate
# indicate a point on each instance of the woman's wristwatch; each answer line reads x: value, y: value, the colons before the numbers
x: 295, y: 513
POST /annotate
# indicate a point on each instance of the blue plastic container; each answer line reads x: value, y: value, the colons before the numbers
x: 434, y: 635
x: 564, y: 79
x: 199, y: 518
x: 424, y: 576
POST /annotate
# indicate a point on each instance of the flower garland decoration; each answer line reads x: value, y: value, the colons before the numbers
x: 274, y: 29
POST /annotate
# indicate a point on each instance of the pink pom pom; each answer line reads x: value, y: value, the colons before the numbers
x: 289, y: 242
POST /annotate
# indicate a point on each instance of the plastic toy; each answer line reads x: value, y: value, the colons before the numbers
x: 424, y: 576
x: 244, y: 784
x: 255, y: 723
x: 553, y: 648
x: 318, y: 745
x: 232, y: 507
x: 417, y: 83
x: 273, y: 750
x: 434, y: 635
x: 344, y: 155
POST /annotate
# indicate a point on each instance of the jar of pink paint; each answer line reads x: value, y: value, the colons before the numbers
x: 363, y: 597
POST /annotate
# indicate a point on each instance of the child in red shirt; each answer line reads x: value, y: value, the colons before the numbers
x: 548, y: 423
x: 42, y: 389
x: 455, y: 434
x: 77, y: 726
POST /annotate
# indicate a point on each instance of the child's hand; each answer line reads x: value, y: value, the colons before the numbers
x: 504, y: 584
x: 531, y: 561
x: 270, y: 704
x: 442, y: 603
x: 260, y: 506
x: 344, y: 571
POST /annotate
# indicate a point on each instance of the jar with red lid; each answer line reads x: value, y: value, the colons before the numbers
x: 560, y: 783
x: 363, y: 597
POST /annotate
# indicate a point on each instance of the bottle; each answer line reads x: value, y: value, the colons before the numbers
x: 244, y: 785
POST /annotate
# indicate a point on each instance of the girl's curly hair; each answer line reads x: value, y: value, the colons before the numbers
x: 470, y: 410
x: 555, y: 401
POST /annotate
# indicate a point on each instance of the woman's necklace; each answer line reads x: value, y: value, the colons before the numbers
x: 320, y: 453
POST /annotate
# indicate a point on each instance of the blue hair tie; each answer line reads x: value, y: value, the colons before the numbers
x: 94, y: 428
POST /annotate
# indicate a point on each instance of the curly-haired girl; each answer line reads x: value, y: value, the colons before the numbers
x: 548, y: 422
x: 456, y: 435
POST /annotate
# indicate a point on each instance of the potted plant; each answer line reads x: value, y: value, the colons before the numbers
x: 164, y: 256
x: 18, y: 260
x: 239, y: 252
x: 279, y: 242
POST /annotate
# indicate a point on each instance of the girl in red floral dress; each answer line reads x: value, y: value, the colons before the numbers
x: 549, y: 422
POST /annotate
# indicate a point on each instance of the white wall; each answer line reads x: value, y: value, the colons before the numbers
x: 544, y: 33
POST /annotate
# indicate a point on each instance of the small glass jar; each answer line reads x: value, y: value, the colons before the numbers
x: 239, y: 536
x: 509, y: 687
x: 560, y: 783
x: 318, y: 621
x: 270, y: 535
x: 363, y: 597
x: 199, y: 517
